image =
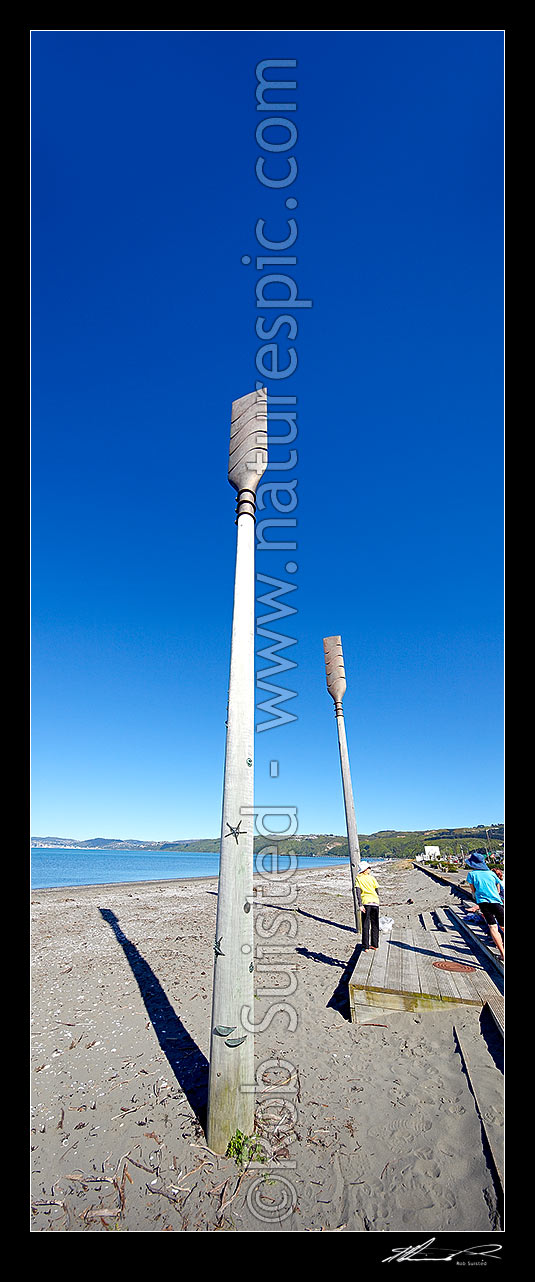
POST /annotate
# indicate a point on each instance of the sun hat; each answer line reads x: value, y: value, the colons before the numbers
x: 476, y: 859
x: 364, y: 865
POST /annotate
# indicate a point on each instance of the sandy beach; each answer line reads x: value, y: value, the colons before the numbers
x: 366, y: 1129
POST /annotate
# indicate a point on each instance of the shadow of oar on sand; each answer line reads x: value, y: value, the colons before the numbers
x: 326, y: 921
x: 339, y: 1001
x: 340, y: 998
x: 187, y: 1062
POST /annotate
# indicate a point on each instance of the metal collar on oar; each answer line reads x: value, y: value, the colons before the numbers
x: 245, y: 504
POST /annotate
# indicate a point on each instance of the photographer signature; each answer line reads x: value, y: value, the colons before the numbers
x: 422, y: 1253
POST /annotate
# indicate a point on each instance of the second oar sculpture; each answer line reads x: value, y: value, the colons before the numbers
x: 231, y: 1081
x: 336, y: 685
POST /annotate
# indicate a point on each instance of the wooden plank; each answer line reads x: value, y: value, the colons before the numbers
x: 479, y: 933
x: 362, y: 1013
x: 484, y: 985
x: 484, y: 939
x: 465, y: 987
x: 448, y: 987
x: 447, y: 978
x: 379, y: 965
x: 427, y: 921
x: 367, y: 963
x: 454, y: 938
x: 359, y: 977
x: 393, y: 970
x: 494, y: 1141
x: 410, y: 975
x: 462, y: 982
x: 496, y: 1008
x: 472, y: 920
x: 429, y: 980
x: 455, y: 947
x: 453, y: 942
x: 442, y: 918
x: 402, y: 944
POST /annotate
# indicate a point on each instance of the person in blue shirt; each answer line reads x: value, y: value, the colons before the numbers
x: 486, y: 889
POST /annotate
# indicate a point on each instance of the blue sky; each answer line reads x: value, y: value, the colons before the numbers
x: 145, y: 200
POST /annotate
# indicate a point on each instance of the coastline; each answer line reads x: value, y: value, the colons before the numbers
x: 168, y: 882
x: 384, y: 1135
x: 123, y: 885
x: 336, y: 861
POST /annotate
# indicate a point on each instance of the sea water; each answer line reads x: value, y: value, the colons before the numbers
x: 60, y: 867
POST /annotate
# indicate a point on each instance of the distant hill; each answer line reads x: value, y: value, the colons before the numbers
x: 387, y: 843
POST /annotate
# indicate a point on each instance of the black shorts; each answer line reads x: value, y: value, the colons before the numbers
x: 493, y: 913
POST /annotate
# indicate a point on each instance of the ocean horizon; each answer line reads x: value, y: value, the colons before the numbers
x: 56, y: 867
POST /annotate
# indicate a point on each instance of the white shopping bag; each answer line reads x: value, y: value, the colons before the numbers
x: 386, y: 923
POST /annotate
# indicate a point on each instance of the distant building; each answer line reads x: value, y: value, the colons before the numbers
x: 431, y: 852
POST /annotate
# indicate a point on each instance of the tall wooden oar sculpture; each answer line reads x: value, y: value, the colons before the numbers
x: 230, y: 1091
x: 336, y: 685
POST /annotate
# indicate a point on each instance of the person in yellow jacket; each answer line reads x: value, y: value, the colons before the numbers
x: 369, y: 905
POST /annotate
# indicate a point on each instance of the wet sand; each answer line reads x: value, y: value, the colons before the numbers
x: 371, y: 1129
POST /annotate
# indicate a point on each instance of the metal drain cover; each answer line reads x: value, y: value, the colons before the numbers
x: 451, y: 965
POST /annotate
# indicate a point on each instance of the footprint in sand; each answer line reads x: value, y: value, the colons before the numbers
x: 418, y: 1100
x: 493, y: 1115
x: 401, y: 1133
x: 426, y: 1169
x: 418, y: 1187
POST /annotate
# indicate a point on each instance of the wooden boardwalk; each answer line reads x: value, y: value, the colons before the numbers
x: 476, y: 930
x: 402, y: 974
x: 456, y: 880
